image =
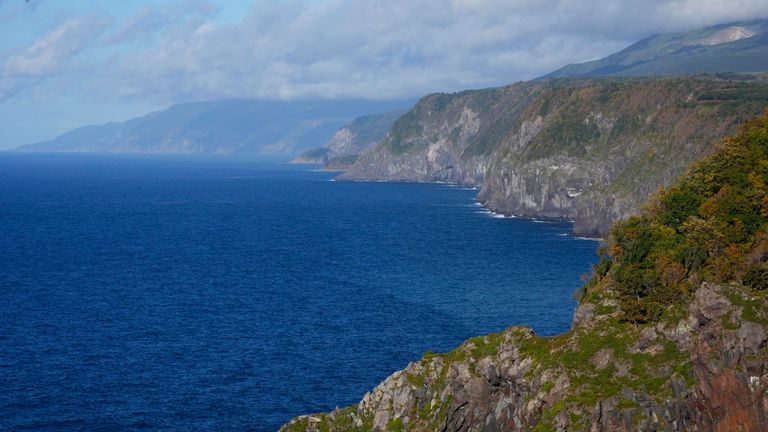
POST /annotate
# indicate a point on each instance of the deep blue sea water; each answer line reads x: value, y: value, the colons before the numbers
x: 179, y: 293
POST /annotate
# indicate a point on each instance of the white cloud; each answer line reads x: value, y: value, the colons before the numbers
x: 152, y: 22
x: 349, y: 48
x: 50, y: 51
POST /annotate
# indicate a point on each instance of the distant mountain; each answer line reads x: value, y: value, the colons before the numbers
x: 229, y: 126
x: 736, y: 47
x: 351, y: 140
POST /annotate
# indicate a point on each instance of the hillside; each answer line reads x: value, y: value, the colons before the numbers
x: 671, y: 333
x: 734, y: 47
x: 584, y: 149
x: 229, y: 126
x: 350, y: 140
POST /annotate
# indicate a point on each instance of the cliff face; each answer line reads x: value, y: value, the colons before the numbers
x: 671, y: 333
x: 592, y: 151
x: 342, y: 150
x: 362, y: 133
x: 446, y: 137
x: 589, y: 150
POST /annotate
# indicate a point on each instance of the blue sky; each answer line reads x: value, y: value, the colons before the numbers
x: 66, y: 63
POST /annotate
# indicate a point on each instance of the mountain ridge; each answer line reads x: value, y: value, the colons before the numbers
x: 740, y: 46
x: 226, y: 126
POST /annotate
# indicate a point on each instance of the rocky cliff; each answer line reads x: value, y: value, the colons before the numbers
x: 352, y: 139
x: 584, y: 149
x: 706, y: 372
x: 671, y: 333
x: 447, y: 137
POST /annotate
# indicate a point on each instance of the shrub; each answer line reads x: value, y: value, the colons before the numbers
x: 712, y: 226
x: 678, y: 206
x: 638, y: 311
x: 756, y: 276
x: 631, y: 280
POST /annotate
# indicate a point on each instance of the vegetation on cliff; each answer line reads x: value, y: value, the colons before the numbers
x: 602, y: 148
x: 712, y: 226
x: 671, y: 332
x: 590, y: 149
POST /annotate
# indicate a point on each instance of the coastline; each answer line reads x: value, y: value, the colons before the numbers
x: 656, y: 342
x: 492, y: 212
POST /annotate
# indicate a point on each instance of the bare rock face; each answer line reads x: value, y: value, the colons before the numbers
x: 729, y: 362
x: 343, y: 142
x: 447, y: 138
x: 349, y: 141
x: 582, y: 149
x: 726, y: 35
x: 706, y: 371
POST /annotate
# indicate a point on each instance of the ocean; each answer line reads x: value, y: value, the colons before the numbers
x: 233, y: 293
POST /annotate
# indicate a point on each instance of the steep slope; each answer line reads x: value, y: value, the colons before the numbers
x: 592, y: 151
x: 735, y: 47
x: 447, y: 137
x: 342, y: 150
x: 671, y: 333
x: 583, y: 149
x: 230, y: 126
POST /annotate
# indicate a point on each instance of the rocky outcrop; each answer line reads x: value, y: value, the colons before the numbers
x: 313, y: 156
x: 446, y: 137
x: 705, y: 371
x: 582, y: 149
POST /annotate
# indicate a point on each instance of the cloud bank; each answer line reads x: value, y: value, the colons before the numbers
x: 336, y: 48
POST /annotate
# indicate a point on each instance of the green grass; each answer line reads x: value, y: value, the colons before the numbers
x: 486, y: 346
x: 415, y: 380
x: 753, y: 308
x: 395, y: 425
x: 547, y: 386
x: 344, y: 160
x: 403, y: 131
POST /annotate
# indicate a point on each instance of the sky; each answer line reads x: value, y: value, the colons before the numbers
x: 67, y: 63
